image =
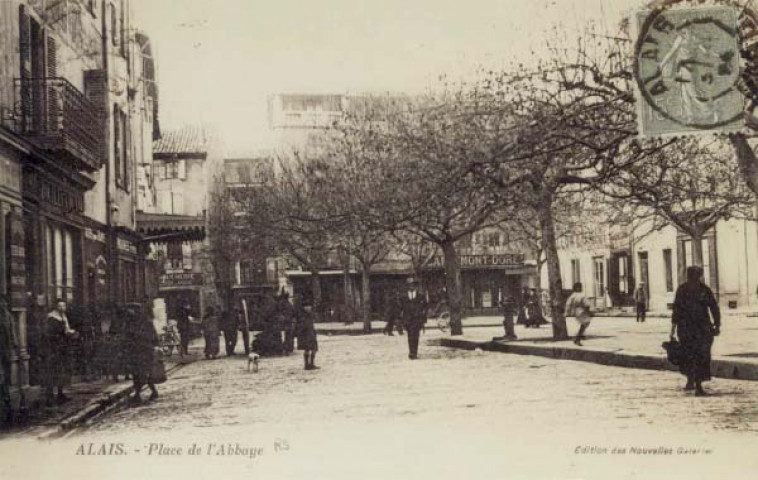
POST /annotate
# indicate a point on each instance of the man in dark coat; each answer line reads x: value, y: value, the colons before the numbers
x: 229, y: 327
x: 413, y: 316
x: 691, y: 322
x: 183, y: 325
x: 391, y: 313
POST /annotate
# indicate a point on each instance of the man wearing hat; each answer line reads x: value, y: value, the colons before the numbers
x: 413, y: 315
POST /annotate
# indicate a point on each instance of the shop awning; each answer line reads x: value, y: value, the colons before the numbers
x: 160, y: 228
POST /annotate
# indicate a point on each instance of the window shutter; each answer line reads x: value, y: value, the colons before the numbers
x: 182, y: 169
x: 25, y: 42
x: 165, y: 201
x: 52, y: 57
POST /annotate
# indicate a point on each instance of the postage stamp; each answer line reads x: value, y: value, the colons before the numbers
x: 687, y: 70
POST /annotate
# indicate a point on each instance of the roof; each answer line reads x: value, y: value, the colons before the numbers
x: 190, y: 140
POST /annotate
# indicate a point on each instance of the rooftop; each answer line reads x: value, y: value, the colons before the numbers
x: 187, y: 141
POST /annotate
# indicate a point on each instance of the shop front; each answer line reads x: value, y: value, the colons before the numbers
x: 485, y: 279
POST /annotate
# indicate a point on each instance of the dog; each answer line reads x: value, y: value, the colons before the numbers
x: 252, y: 359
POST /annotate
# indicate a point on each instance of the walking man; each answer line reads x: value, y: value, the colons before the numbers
x: 413, y: 316
x: 640, y: 300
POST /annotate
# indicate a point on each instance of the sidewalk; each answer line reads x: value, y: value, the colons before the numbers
x: 88, y: 399
x: 621, y: 341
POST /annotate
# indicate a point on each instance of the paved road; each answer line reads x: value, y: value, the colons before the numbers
x: 372, y: 413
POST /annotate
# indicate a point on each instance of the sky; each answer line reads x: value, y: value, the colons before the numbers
x: 218, y: 60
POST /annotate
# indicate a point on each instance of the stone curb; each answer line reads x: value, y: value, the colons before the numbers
x: 720, y: 367
x: 99, y: 405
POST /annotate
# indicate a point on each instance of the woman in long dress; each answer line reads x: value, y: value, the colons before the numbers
x: 142, y: 340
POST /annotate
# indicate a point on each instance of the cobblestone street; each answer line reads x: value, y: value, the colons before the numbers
x: 370, y: 409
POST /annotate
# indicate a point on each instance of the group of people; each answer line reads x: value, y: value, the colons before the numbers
x: 282, y: 323
x: 695, y: 322
x: 136, y: 353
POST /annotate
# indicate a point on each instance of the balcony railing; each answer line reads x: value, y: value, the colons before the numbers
x: 55, y: 116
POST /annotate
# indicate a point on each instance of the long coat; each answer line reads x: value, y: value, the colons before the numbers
x: 211, y: 334
x: 413, y: 311
x: 57, y: 351
x: 305, y: 328
x: 141, y: 340
x: 692, y: 305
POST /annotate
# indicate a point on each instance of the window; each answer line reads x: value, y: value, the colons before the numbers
x: 599, y: 276
x: 114, y: 25
x: 59, y: 246
x: 623, y: 276
x: 644, y: 276
x: 668, y: 270
x: 120, y: 148
x: 172, y: 202
x: 706, y: 258
x: 493, y: 239
x: 576, y: 276
x: 174, y: 257
x: 172, y: 169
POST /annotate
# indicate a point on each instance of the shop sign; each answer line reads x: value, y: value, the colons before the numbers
x: 17, y: 261
x: 180, y: 280
x: 93, y: 235
x: 483, y: 261
x: 126, y: 246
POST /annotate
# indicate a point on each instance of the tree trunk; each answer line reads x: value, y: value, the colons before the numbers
x: 316, y: 293
x: 453, y: 285
x: 547, y: 230
x: 366, y: 293
x: 347, y: 307
x: 747, y: 161
x: 697, y: 249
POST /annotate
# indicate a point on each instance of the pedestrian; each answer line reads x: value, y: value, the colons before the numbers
x: 391, y: 312
x: 413, y: 316
x: 142, y: 341
x: 58, y: 335
x: 307, y: 339
x: 8, y: 346
x: 577, y: 307
x: 521, y: 308
x: 229, y: 327
x: 691, y: 323
x: 508, y: 306
x: 640, y: 300
x: 210, y: 326
x: 286, y: 317
x: 244, y: 327
x: 183, y: 325
x: 116, y: 345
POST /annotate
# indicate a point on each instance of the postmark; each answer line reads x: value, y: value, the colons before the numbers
x: 687, y: 67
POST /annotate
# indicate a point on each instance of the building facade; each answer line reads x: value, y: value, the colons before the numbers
x: 185, y: 164
x: 68, y: 90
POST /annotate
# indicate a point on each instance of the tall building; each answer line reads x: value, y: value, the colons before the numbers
x: 70, y: 93
x: 186, y: 161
